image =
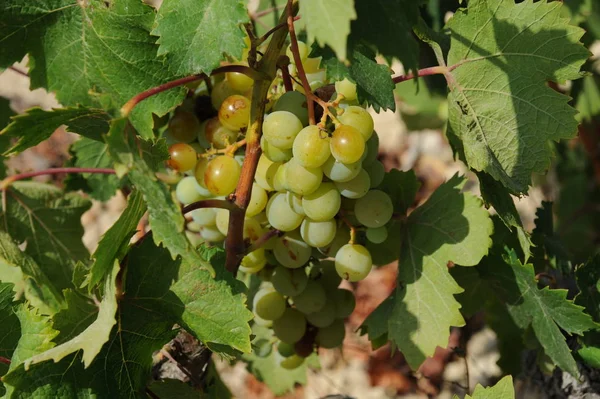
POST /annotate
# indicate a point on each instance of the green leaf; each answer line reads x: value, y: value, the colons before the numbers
x: 79, y: 312
x: 549, y: 245
x: 590, y: 355
x: 502, y: 54
x: 476, y: 290
x: 49, y: 221
x: 114, y: 243
x: 588, y: 282
x: 10, y: 329
x: 402, y: 187
x: 502, y: 390
x: 90, y: 53
x: 387, y: 26
x: 328, y: 22
x: 197, y: 33
x: 166, y: 220
x: 510, y: 336
x: 38, y: 125
x: 214, y: 387
x: 27, y: 277
x: 544, y: 309
x: 89, y: 153
x: 91, y: 340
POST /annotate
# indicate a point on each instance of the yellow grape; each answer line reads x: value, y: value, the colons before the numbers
x: 239, y: 81
x: 221, y: 175
x: 182, y: 157
x: 360, y: 119
x: 347, y: 144
x: 184, y: 126
x: 218, y: 135
x: 234, y: 113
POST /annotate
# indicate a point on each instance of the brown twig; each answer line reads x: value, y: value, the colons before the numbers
x: 4, y: 360
x: 4, y: 184
x: 283, y: 64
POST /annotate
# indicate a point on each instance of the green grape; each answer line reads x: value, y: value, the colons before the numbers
x: 353, y: 262
x: 375, y: 209
x: 341, y: 172
x: 221, y: 175
x: 221, y: 90
x: 211, y: 234
x: 184, y: 126
x: 323, y: 317
x: 258, y: 200
x: 311, y: 147
x: 295, y: 202
x: 193, y: 226
x: 265, y: 173
x: 204, y: 216
x: 218, y: 135
x: 289, y: 363
x: 377, y: 235
x: 332, y: 336
x: 273, y: 153
x: 280, y: 215
x: 346, y: 88
x: 312, y: 65
x: 347, y: 144
x: 318, y: 234
x: 234, y: 113
x: 355, y: 188
x: 323, y: 204
x: 182, y: 157
x: 372, y: 149
x: 342, y: 238
x: 324, y: 272
x: 194, y: 238
x: 222, y: 220
x: 376, y: 172
x: 252, y: 228
x: 186, y: 192
x: 289, y: 282
x: 285, y: 350
x: 239, y: 81
x: 280, y: 129
x: 279, y: 182
x: 302, y: 51
x: 268, y: 304
x: 312, y: 299
x: 199, y: 172
x: 344, y: 301
x: 294, y: 102
x: 301, y: 180
x: 360, y: 119
x: 290, y: 327
x: 254, y: 262
x: 262, y: 322
x: 291, y: 251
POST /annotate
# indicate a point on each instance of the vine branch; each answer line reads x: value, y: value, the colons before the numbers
x: 4, y: 184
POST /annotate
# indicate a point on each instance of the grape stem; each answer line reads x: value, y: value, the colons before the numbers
x: 4, y: 360
x: 437, y: 70
x: 283, y: 64
x: 4, y: 184
x: 229, y: 150
x: 262, y: 240
x: 129, y: 105
x: 264, y: 37
x: 208, y: 203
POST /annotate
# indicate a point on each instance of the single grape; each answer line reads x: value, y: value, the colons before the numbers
x: 347, y: 144
x: 342, y: 238
x: 301, y: 180
x: 372, y: 149
x: 268, y: 304
x: 324, y: 272
x: 279, y: 181
x: 254, y: 262
x: 344, y: 301
x: 375, y: 209
x: 291, y: 251
x: 323, y: 204
x: 376, y: 172
x: 353, y: 262
x: 355, y: 188
x: 239, y: 81
x: 290, y: 327
x: 184, y: 126
x: 280, y: 215
x: 273, y: 153
x: 377, y: 235
x: 199, y: 172
x: 289, y: 282
x: 221, y: 175
x: 289, y: 363
x: 193, y: 226
x: 323, y: 317
x: 182, y: 157
x: 234, y: 113
x: 360, y: 119
x: 302, y: 51
x: 211, y: 234
x: 311, y: 147
x: 295, y: 202
x: 346, y: 88
x: 285, y: 350
x: 318, y: 234
x: 218, y: 135
x: 265, y: 173
x: 312, y: 299
x: 222, y: 220
x: 294, y: 102
x: 186, y: 192
x: 331, y: 336
x: 280, y: 128
x: 204, y: 216
x: 341, y: 172
x: 258, y: 200
x: 221, y: 90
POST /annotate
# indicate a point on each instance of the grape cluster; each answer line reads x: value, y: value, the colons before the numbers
x: 315, y: 187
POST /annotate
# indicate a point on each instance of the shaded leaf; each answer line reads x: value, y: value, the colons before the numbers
x: 502, y: 390
x: 328, y: 22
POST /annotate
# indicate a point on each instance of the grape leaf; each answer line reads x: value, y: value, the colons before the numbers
x: 544, y: 309
x: 10, y: 329
x: 213, y: 387
x: 196, y: 33
x: 501, y: 56
x: 49, y: 221
x: 548, y: 245
x: 450, y: 227
x: 89, y: 53
x: 89, y: 153
x: 115, y: 241
x: 38, y: 125
x: 328, y: 22
x: 502, y: 390
x: 73, y: 319
x: 402, y: 187
x: 588, y: 282
x: 91, y: 340
x: 28, y: 279
x: 5, y: 114
x: 590, y: 355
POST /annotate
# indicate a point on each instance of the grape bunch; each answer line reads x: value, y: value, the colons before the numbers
x: 314, y: 201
